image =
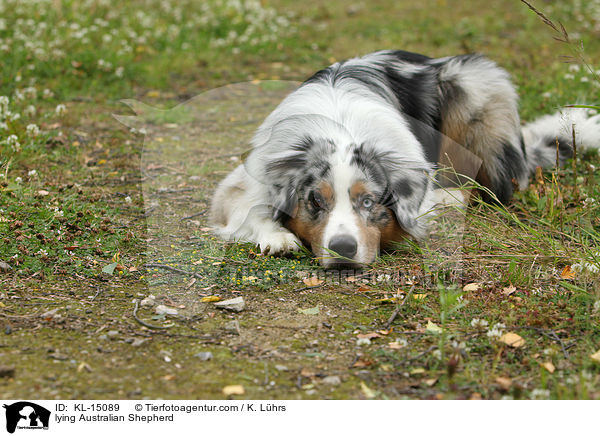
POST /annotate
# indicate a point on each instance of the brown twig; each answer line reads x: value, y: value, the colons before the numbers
x: 144, y: 323
x: 170, y: 268
x: 398, y: 308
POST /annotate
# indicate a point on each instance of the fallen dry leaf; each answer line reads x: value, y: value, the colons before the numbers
x: 362, y: 363
x: 395, y: 345
x: 233, y: 390
x: 471, y: 287
x: 419, y: 296
x: 509, y: 290
x: 567, y: 273
x: 371, y: 335
x: 596, y: 356
x: 312, y: 281
x: 369, y: 393
x: 430, y: 381
x: 504, y: 383
x: 548, y: 366
x: 512, y: 340
x: 433, y: 328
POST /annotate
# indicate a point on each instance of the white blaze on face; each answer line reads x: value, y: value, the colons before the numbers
x: 342, y: 218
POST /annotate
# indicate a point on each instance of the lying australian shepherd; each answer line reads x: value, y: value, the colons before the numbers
x: 347, y: 163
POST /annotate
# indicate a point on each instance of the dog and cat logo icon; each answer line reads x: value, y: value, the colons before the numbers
x: 26, y: 415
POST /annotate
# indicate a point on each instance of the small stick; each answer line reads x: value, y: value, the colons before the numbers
x: 189, y: 217
x: 398, y: 308
x: 170, y: 268
x: 144, y: 323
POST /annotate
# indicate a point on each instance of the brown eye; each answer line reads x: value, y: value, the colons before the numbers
x: 316, y: 200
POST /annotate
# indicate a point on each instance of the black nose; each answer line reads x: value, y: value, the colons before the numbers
x: 344, y: 245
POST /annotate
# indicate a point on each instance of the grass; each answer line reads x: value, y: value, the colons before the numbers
x: 78, y: 219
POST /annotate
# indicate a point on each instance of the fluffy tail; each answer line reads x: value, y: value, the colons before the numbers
x: 544, y: 135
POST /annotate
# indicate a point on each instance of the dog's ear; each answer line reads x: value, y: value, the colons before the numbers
x: 285, y: 201
x: 408, y: 190
x: 410, y: 200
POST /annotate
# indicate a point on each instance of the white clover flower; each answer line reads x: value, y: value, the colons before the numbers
x: 585, y: 267
x: 60, y: 110
x: 596, y: 308
x: 119, y: 72
x: 569, y: 76
x: 18, y: 180
x: 496, y: 331
x: 479, y: 324
x: 30, y: 92
x: 13, y: 142
x: 32, y: 173
x: 47, y: 93
x: 128, y: 200
x: 540, y: 394
x: 33, y: 130
x: 3, y: 125
x: 30, y: 110
x: 584, y: 79
x: 437, y: 354
x: 42, y: 252
x: 574, y: 68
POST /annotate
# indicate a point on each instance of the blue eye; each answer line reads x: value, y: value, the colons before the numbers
x: 367, y: 203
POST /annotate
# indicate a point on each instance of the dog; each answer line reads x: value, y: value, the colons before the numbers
x: 346, y: 164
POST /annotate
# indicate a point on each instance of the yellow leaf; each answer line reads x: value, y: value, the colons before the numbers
x: 101, y: 161
x: 312, y: 281
x: 548, y: 366
x: 369, y: 393
x: 433, y: 328
x: 512, y: 340
x: 567, y: 273
x: 419, y: 296
x: 233, y: 390
x: 596, y: 356
x: 210, y: 299
x: 2, y: 304
x: 471, y: 287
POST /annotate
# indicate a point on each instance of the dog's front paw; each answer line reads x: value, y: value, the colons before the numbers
x: 278, y: 243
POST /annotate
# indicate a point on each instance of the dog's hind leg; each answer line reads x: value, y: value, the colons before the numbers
x: 240, y: 212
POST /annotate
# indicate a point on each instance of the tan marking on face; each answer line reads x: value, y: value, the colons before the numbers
x: 309, y: 231
x: 369, y: 234
x: 392, y: 232
x: 326, y: 191
x: 358, y: 189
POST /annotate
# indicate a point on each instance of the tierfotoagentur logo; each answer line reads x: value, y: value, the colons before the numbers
x: 24, y: 415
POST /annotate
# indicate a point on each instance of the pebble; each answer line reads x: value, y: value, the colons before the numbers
x: 234, y: 304
x: 112, y: 334
x: 162, y: 309
x: 233, y: 326
x: 204, y: 355
x: 7, y: 371
x: 149, y: 301
x: 363, y: 341
x: 281, y: 368
x: 138, y: 341
x: 8, y: 330
x: 333, y: 380
x: 103, y: 337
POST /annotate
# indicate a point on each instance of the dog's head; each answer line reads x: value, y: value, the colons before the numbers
x: 345, y: 201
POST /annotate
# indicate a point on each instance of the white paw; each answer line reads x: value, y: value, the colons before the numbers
x: 278, y: 243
